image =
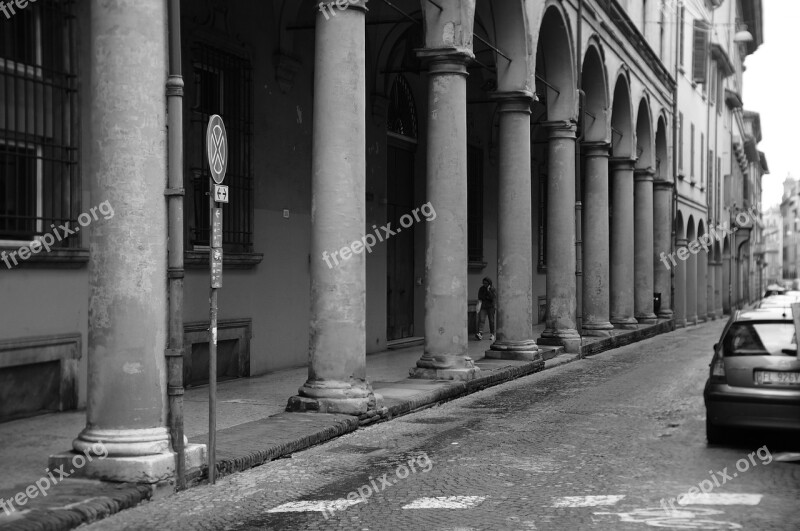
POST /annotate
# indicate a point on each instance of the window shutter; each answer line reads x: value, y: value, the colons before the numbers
x: 702, y: 30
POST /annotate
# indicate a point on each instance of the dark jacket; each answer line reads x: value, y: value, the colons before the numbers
x: 487, y: 296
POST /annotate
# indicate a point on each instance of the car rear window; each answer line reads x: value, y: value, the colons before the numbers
x: 761, y: 339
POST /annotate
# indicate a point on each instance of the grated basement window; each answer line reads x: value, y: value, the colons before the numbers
x: 222, y: 84
x: 39, y: 182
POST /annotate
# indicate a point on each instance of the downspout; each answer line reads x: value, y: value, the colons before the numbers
x: 675, y: 147
x: 175, y: 193
x: 578, y: 190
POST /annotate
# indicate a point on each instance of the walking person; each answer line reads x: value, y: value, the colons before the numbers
x: 487, y: 299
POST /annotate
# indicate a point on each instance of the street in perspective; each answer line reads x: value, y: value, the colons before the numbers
x: 410, y: 264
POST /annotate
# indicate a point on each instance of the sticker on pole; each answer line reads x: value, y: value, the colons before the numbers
x: 217, y: 148
x: 220, y: 193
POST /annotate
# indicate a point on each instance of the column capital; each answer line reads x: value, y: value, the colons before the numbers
x: 513, y: 101
x: 644, y: 174
x: 561, y: 128
x: 622, y: 163
x: 660, y: 184
x: 444, y: 60
x: 596, y: 149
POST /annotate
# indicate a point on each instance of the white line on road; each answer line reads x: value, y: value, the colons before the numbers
x: 445, y: 502
x: 586, y: 501
x: 713, y: 498
x: 312, y: 505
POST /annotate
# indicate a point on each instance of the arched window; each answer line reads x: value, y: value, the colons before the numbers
x: 402, y: 118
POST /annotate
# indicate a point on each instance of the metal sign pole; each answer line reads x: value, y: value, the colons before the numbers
x: 217, y: 149
x: 212, y: 350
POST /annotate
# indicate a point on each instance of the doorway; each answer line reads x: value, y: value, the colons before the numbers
x: 400, y: 247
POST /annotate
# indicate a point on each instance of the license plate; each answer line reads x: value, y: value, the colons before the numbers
x: 775, y: 377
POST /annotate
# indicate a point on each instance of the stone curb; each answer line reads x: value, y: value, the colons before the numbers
x: 90, y: 510
x: 229, y: 466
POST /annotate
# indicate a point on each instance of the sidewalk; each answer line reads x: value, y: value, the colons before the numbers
x: 252, y: 427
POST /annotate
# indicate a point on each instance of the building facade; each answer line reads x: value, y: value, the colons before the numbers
x: 383, y: 158
x: 790, y: 203
x: 773, y: 245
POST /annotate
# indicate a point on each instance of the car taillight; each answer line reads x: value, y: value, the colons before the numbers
x: 718, y: 370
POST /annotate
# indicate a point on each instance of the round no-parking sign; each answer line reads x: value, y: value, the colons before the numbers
x: 217, y: 148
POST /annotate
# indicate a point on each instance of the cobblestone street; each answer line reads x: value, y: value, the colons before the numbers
x: 595, y: 444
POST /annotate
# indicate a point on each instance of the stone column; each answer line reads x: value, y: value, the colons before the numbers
x: 691, y: 283
x: 561, y: 325
x: 337, y: 379
x: 622, y: 244
x: 702, y: 280
x: 514, y: 238
x: 662, y: 243
x: 710, y: 284
x: 719, y: 288
x: 595, y: 241
x: 643, y: 246
x: 680, y: 282
x: 727, y: 288
x: 126, y: 408
x: 446, y: 356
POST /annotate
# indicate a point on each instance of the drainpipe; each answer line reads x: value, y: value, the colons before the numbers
x: 174, y: 194
x: 578, y: 190
x: 675, y: 146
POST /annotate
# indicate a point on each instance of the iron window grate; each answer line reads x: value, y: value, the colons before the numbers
x: 222, y: 84
x: 39, y: 182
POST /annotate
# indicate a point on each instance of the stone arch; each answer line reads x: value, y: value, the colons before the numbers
x: 662, y: 160
x: 396, y: 52
x: 623, y: 139
x: 512, y: 34
x: 691, y: 233
x: 680, y: 227
x: 594, y: 83
x: 555, y: 69
x: 644, y: 136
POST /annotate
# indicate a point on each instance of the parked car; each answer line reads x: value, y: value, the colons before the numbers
x: 754, y: 376
x: 774, y: 289
x: 776, y: 301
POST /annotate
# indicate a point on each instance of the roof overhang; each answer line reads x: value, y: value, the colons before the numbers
x: 725, y: 65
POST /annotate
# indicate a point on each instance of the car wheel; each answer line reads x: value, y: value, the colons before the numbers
x: 714, y: 434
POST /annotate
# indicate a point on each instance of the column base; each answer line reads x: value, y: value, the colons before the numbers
x: 647, y: 318
x: 332, y: 396
x: 148, y: 469
x: 343, y: 406
x: 691, y: 320
x: 123, y: 443
x: 680, y: 323
x: 702, y: 318
x: 711, y: 316
x: 562, y: 337
x: 514, y: 350
x: 597, y: 329
x: 445, y: 367
x: 665, y: 314
x: 625, y: 323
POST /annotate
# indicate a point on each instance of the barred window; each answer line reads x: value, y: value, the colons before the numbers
x: 39, y: 182
x: 222, y: 84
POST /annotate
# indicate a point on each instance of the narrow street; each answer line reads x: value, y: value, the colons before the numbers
x: 595, y: 444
